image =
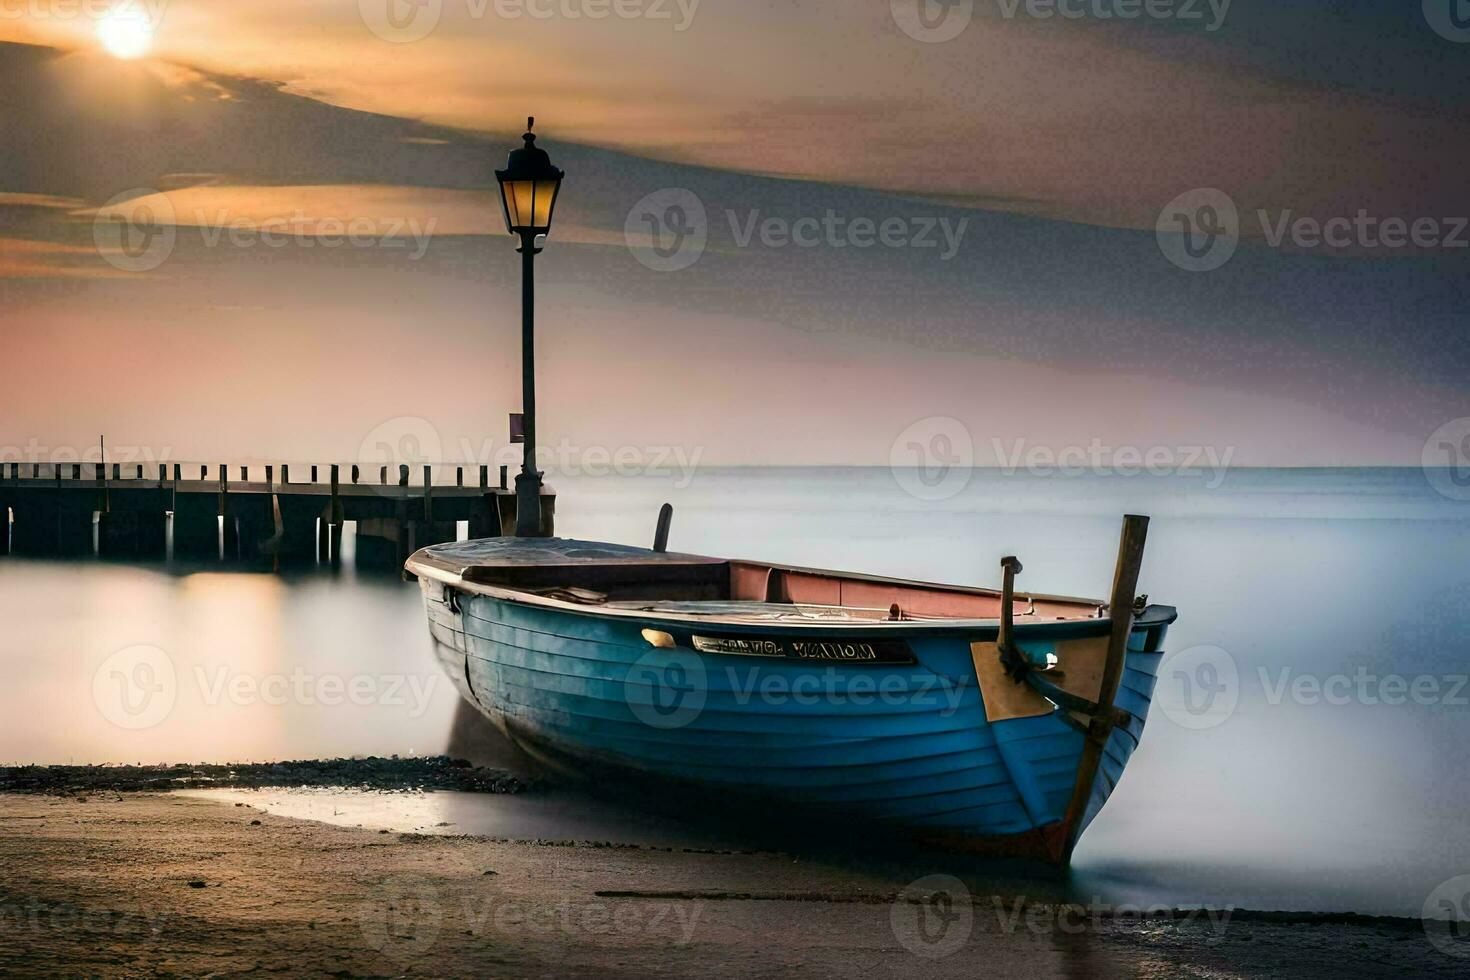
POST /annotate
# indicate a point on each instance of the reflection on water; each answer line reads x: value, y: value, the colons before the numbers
x: 108, y: 663
x: 1285, y: 799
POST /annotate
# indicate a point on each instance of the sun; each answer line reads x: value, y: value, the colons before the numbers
x: 125, y: 32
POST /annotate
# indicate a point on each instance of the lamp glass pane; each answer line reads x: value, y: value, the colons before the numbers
x: 529, y: 203
x: 520, y: 202
x: 545, y: 198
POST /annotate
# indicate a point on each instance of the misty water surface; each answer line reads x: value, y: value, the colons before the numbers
x: 1305, y: 750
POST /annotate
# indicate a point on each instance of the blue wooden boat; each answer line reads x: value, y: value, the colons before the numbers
x: 994, y: 721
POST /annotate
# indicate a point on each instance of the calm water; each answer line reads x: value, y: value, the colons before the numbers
x: 1307, y: 744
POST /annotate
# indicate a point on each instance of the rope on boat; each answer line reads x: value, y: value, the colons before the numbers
x: 1019, y: 668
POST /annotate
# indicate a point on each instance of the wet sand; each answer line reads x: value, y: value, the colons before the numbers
x: 145, y: 884
x: 439, y: 772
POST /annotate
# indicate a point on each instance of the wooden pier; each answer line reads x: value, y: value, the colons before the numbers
x: 290, y: 514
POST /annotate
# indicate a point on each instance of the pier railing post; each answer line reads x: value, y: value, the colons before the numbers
x: 334, y: 543
x: 661, y: 531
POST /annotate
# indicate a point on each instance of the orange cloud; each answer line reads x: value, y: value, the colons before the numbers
x: 22, y: 258
x: 334, y: 210
x: 1074, y: 123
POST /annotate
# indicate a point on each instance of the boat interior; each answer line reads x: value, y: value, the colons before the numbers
x: 623, y: 577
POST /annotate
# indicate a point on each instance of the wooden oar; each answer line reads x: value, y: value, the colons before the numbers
x: 1009, y: 655
x: 1120, y: 610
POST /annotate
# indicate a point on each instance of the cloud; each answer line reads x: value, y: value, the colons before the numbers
x: 1087, y: 121
x: 332, y: 210
x: 22, y: 258
x: 15, y: 199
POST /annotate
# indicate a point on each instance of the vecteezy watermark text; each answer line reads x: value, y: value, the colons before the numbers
x: 149, y: 11
x: 1200, y: 230
x: 138, y: 230
x: 935, y: 459
x: 936, y: 21
x: 1073, y: 918
x: 934, y: 917
x: 833, y: 230
x: 138, y: 687
x: 36, y: 452
x: 406, y: 21
x: 1098, y: 458
x: 1200, y: 687
x: 669, y: 229
x: 668, y: 688
x: 223, y: 685
x: 405, y: 917
x: 416, y: 442
x: 1210, y: 14
x: 34, y: 917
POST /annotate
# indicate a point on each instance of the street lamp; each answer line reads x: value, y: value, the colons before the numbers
x: 528, y: 189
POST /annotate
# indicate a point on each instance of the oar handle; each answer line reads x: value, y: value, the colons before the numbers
x: 1010, y: 567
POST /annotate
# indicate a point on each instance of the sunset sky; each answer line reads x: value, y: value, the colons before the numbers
x: 1024, y: 164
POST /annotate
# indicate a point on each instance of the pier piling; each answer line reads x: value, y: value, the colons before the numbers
x: 123, y: 511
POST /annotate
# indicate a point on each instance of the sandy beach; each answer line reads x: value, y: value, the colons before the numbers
x: 155, y: 884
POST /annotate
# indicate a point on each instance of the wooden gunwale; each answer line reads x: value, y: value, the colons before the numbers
x: 1051, y: 627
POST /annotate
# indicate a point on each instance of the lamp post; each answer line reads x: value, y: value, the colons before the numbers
x: 528, y: 189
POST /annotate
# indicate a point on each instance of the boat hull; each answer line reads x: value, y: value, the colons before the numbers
x: 905, y: 744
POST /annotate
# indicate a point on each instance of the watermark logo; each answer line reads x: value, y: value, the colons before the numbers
x: 667, y: 230
x: 1446, y: 460
x: 135, y: 688
x: 933, y: 917
x: 1449, y: 18
x: 400, y: 21
x: 135, y: 230
x: 932, y: 21
x: 1198, y: 688
x: 667, y: 688
x: 406, y: 440
x: 933, y: 459
x: 1446, y: 917
x: 1199, y: 230
x: 402, y: 919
